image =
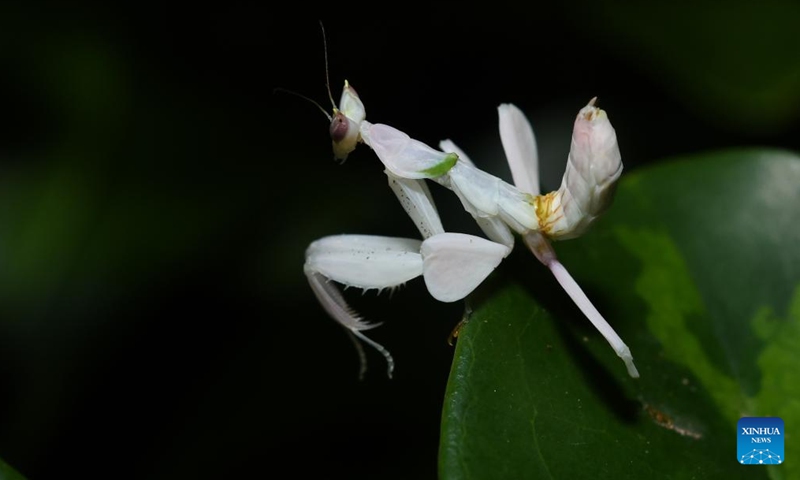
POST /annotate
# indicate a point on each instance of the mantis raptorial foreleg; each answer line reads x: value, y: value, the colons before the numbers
x: 365, y: 262
x: 452, y: 264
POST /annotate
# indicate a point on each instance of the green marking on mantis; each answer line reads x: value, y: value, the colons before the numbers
x: 442, y: 167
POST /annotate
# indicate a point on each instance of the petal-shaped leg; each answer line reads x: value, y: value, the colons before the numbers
x: 541, y: 247
x: 497, y: 230
x: 519, y: 144
x: 363, y: 261
x: 416, y: 200
x: 366, y: 261
x: 582, y: 301
x: 454, y: 264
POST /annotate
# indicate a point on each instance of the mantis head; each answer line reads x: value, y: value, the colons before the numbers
x: 346, y: 123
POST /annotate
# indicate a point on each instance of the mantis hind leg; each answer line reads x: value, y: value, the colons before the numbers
x: 451, y: 339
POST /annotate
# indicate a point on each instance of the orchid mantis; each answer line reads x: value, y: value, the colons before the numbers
x: 452, y: 264
x: 455, y: 264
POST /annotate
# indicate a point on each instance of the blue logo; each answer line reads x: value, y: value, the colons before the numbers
x: 760, y: 441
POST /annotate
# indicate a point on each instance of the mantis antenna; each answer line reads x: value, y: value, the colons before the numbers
x: 327, y: 82
x: 315, y: 103
x: 327, y: 74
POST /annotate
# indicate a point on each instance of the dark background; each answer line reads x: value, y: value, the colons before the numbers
x: 157, y: 196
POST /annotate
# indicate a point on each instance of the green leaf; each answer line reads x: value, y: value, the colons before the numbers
x: 8, y: 473
x: 697, y: 267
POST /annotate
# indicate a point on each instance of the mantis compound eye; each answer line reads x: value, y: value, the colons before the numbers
x: 339, y: 127
x: 344, y: 135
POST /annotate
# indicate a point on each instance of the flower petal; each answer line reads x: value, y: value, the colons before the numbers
x: 416, y: 200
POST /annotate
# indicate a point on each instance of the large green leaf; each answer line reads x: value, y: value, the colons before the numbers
x: 8, y: 473
x: 697, y: 266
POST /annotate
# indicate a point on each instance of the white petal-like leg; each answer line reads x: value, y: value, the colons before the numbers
x: 582, y: 301
x: 366, y: 261
x: 404, y: 156
x: 519, y: 144
x: 416, y: 200
x: 454, y: 264
x: 363, y: 261
x: 497, y: 230
x: 545, y: 253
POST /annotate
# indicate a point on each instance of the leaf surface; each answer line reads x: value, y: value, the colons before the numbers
x: 697, y: 267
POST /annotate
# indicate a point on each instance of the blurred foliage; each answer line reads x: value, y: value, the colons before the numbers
x: 8, y: 473
x: 736, y: 64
